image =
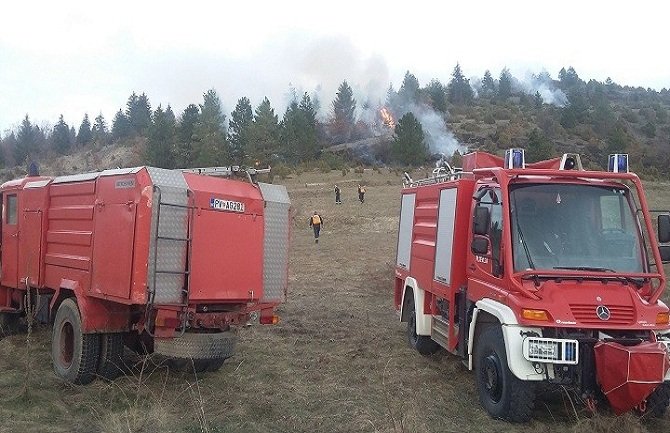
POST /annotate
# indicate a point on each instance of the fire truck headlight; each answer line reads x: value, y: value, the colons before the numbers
x: 663, y: 318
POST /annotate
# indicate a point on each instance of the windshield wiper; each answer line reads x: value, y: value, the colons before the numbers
x: 585, y: 268
x: 637, y: 282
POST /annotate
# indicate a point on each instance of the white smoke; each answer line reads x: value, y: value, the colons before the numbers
x: 438, y: 138
x: 530, y: 84
x: 544, y: 85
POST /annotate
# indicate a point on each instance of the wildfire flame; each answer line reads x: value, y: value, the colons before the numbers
x: 387, y: 117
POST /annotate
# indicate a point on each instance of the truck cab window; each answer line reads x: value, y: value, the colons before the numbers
x: 495, y: 233
x: 12, y: 210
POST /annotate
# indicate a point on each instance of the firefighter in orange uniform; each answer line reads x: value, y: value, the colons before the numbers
x: 316, y: 222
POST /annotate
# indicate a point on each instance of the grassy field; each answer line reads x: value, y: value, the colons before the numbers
x: 337, y: 362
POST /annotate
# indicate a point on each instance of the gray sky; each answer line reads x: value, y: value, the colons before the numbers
x: 76, y: 57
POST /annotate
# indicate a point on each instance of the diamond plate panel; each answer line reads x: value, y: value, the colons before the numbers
x: 274, y: 193
x: 167, y: 178
x: 275, y: 248
x: 171, y: 216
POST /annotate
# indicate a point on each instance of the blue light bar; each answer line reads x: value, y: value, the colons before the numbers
x: 618, y: 163
x: 515, y: 158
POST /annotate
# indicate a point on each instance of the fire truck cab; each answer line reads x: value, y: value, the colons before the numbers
x: 535, y: 273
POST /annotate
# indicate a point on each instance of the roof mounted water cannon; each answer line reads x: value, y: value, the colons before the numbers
x: 442, y: 167
x: 515, y: 158
x: 571, y: 161
x: 618, y: 163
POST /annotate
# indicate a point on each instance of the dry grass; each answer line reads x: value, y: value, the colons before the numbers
x: 337, y: 362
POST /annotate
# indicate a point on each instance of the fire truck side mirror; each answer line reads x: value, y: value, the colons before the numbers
x: 480, y: 245
x: 665, y: 253
x: 664, y: 228
x: 481, y: 220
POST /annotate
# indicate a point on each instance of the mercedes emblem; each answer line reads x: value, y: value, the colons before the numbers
x: 602, y: 312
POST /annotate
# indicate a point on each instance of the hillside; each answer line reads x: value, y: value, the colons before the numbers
x: 545, y: 116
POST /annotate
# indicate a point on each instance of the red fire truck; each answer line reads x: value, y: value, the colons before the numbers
x: 166, y: 261
x: 536, y: 273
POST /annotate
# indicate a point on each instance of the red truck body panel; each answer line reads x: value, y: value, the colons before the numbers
x: 125, y: 239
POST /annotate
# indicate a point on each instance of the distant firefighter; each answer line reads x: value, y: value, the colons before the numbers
x: 361, y: 193
x: 337, y: 195
x: 316, y: 222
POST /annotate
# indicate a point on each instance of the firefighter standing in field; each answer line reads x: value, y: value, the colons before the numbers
x: 316, y: 222
x: 361, y: 193
x: 337, y: 195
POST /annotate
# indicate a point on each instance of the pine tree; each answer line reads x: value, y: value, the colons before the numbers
x: 488, y: 85
x: 392, y: 99
x: 264, y: 134
x: 238, y: 130
x: 27, y: 141
x: 459, y: 90
x: 159, y: 151
x: 184, y: 153
x: 408, y: 145
x: 85, y: 136
x: 438, y: 95
x: 138, y: 111
x: 298, y: 133
x: 344, y: 114
x: 100, y: 132
x: 538, y: 148
x: 409, y: 90
x: 568, y: 78
x: 210, y: 135
x: 120, y: 126
x: 61, y: 137
x: 504, y: 84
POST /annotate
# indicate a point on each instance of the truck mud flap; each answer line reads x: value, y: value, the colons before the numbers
x: 191, y: 345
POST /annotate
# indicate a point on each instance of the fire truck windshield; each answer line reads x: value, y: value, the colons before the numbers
x: 574, y: 227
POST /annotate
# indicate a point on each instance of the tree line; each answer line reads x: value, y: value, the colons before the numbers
x: 603, y: 117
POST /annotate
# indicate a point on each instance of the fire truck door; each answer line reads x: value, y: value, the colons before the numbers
x: 10, y: 240
x: 30, y: 247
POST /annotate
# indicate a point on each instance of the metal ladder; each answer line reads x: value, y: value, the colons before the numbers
x: 157, y: 254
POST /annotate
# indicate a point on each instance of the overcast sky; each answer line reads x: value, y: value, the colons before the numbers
x: 76, y: 57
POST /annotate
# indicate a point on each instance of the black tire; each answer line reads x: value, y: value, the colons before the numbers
x: 9, y: 323
x: 75, y: 355
x: 658, y: 401
x: 110, y: 364
x: 501, y: 393
x: 422, y: 343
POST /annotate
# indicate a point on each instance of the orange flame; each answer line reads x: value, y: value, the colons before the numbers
x: 387, y: 117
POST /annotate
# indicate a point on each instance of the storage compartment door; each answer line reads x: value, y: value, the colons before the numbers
x: 445, y: 235
x: 226, y: 256
x: 405, y: 230
x: 113, y: 250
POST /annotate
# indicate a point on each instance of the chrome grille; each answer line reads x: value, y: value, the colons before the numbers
x: 619, y: 314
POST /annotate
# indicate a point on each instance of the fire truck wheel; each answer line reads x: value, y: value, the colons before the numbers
x: 502, y: 394
x: 658, y: 401
x: 8, y: 323
x: 111, y: 356
x: 75, y: 355
x: 422, y: 343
